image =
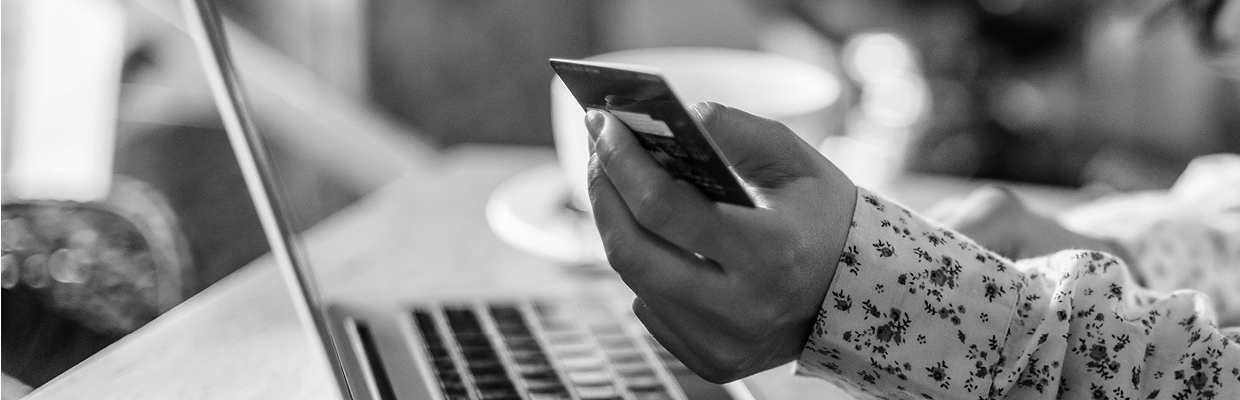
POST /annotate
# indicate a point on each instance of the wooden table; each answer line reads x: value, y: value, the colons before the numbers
x: 240, y: 338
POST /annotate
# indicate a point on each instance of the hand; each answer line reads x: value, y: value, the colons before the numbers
x: 86, y: 263
x: 730, y: 290
x: 999, y: 221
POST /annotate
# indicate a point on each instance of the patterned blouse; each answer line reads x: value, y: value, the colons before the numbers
x: 918, y: 311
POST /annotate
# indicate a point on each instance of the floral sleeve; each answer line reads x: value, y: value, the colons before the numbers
x: 918, y: 311
x: 1186, y: 237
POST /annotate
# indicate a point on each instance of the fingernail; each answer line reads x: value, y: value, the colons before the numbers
x: 594, y: 123
x: 701, y: 108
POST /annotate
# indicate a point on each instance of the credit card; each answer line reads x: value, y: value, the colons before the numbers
x: 641, y: 98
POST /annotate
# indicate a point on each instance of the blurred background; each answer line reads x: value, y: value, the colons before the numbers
x: 1104, y: 96
x: 1115, y: 93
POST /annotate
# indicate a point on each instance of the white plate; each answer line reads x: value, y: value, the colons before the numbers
x: 530, y: 211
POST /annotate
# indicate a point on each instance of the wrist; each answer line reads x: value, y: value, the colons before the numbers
x: 838, y: 227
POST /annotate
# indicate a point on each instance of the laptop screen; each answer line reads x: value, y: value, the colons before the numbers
x: 205, y: 25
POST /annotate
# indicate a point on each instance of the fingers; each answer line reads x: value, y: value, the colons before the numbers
x: 648, y: 264
x: 763, y: 152
x: 671, y: 209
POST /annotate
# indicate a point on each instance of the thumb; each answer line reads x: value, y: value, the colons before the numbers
x: 763, y: 152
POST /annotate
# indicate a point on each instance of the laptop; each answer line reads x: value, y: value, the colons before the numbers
x: 453, y: 348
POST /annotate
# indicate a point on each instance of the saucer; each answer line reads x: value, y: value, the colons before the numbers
x: 531, y: 212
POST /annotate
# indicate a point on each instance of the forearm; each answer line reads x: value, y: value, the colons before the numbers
x: 918, y: 309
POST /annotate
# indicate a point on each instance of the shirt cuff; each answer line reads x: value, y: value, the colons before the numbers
x: 908, y: 299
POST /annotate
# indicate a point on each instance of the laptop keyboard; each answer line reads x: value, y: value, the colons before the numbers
x: 545, y: 351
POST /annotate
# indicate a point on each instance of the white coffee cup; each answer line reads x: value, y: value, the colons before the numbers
x: 798, y: 94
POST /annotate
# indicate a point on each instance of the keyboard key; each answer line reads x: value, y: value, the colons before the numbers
x: 575, y: 350
x: 534, y: 368
x: 589, y: 377
x: 491, y: 378
x: 506, y: 313
x: 445, y: 364
x: 556, y: 310
x: 548, y: 375
x: 550, y: 396
x: 477, y: 350
x: 436, y: 348
x: 598, y: 392
x: 449, y: 374
x: 512, y: 329
x: 510, y: 322
x: 582, y: 363
x: 432, y: 338
x: 555, y: 326
x: 616, y: 342
x: 495, y: 368
x: 472, y: 339
x: 635, y: 370
x: 453, y: 386
x: 642, y: 382
x: 499, y: 394
x: 529, y: 357
x: 644, y: 373
x: 536, y: 372
x: 486, y: 369
x: 522, y: 343
x: 609, y: 328
x: 652, y: 395
x: 545, y: 386
x: 566, y: 338
x: 626, y: 357
x: 464, y: 323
